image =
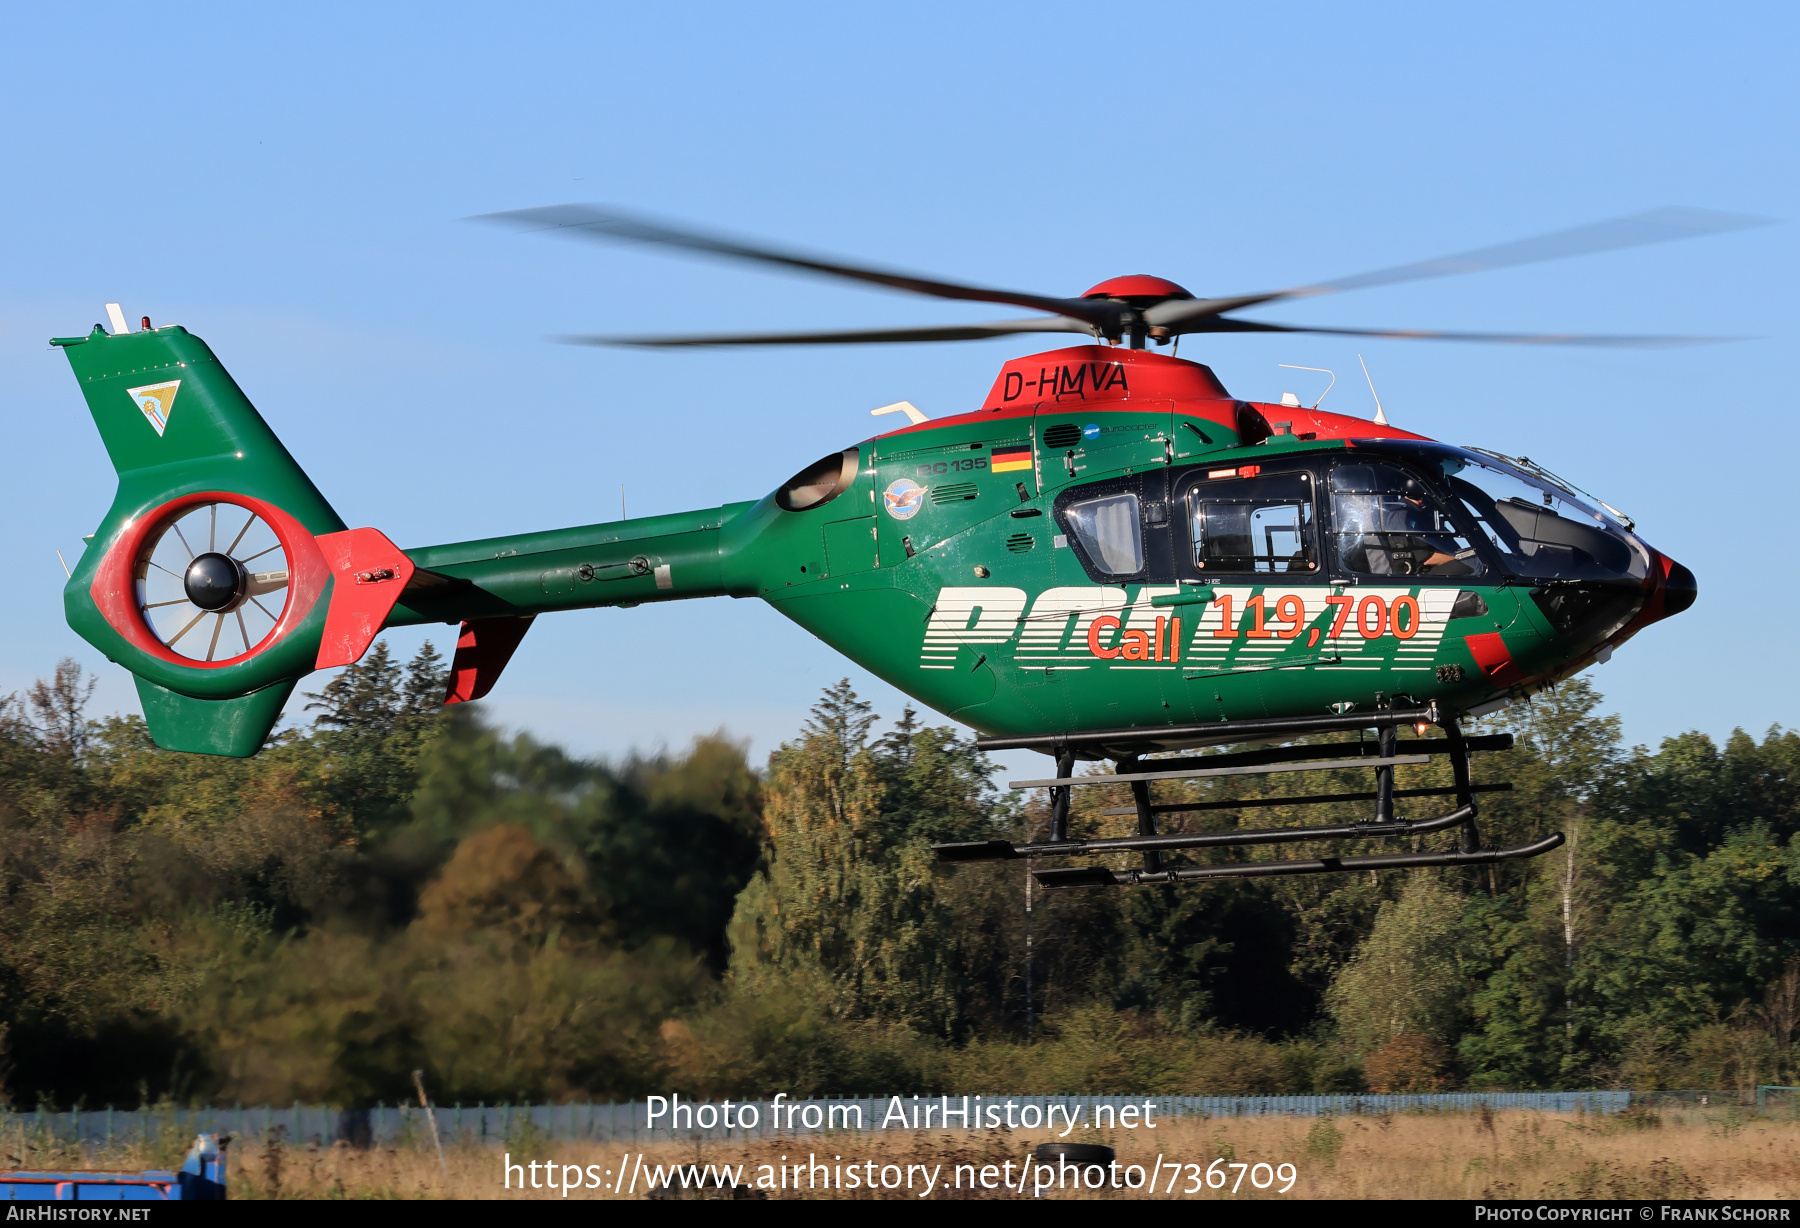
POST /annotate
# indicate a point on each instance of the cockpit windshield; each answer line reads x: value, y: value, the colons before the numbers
x: 1540, y: 530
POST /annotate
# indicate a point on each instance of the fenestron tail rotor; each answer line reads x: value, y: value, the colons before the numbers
x: 1129, y: 308
x: 212, y: 581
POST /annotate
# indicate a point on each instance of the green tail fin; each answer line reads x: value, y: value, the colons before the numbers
x: 180, y: 432
x: 173, y: 421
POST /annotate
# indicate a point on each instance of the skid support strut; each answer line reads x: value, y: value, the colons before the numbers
x: 1388, y: 741
x: 1465, y: 792
x: 1127, y: 748
x: 1146, y: 817
x: 1059, y: 796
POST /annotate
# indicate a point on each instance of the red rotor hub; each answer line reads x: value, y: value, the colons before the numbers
x: 1137, y: 286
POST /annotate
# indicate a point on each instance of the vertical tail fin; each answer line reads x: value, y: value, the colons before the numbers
x: 173, y: 420
x: 212, y: 575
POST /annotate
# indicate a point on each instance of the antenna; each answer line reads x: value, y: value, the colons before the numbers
x: 1328, y: 387
x: 114, y: 314
x: 901, y: 407
x: 65, y: 563
x: 622, y: 515
x: 1380, y: 414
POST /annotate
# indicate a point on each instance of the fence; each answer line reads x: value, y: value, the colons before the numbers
x: 631, y: 1122
x: 1772, y: 1097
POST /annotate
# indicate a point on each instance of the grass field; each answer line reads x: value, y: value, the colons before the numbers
x: 1676, y: 1154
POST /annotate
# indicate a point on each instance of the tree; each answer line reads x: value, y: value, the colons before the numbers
x: 375, y: 721
x: 503, y: 882
x: 59, y: 707
x: 1406, y: 978
x: 376, y: 696
x: 851, y: 902
x: 1689, y: 945
x: 840, y: 721
x: 1408, y: 1063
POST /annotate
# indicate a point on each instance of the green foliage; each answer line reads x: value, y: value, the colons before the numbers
x: 343, y: 1018
x: 1406, y: 977
x: 1324, y: 1141
x: 394, y: 888
x: 851, y: 903
x: 402, y: 886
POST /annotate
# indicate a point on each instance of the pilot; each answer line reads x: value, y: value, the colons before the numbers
x: 1397, y: 532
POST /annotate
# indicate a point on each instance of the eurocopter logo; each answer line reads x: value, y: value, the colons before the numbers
x: 156, y: 400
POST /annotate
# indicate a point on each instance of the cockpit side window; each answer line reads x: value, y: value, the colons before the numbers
x: 1386, y: 522
x: 1255, y: 525
x: 1110, y: 532
x: 1540, y: 531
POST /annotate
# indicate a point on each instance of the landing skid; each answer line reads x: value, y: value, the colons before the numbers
x: 1127, y: 748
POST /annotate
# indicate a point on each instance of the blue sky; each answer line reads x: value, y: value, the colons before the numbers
x: 287, y: 182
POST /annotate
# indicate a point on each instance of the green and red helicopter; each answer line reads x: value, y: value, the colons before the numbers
x: 1111, y: 557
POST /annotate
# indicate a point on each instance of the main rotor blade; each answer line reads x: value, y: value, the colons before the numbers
x: 594, y: 222
x: 1635, y: 230
x: 948, y: 332
x: 1226, y: 324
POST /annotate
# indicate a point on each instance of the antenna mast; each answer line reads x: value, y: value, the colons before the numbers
x: 1380, y: 414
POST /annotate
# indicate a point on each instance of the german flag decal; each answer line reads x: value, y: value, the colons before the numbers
x: 1011, y: 459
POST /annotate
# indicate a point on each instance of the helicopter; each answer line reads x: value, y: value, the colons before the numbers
x: 1111, y: 557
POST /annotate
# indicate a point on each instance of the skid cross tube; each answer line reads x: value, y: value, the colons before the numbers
x: 1126, y: 747
x: 1387, y: 762
x: 1100, y: 876
x: 987, y: 850
x: 1309, y: 799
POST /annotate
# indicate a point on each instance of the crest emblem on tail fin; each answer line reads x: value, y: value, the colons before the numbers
x: 156, y: 400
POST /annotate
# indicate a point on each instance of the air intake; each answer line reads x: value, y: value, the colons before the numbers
x: 1019, y: 543
x: 1063, y: 435
x: 953, y: 492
